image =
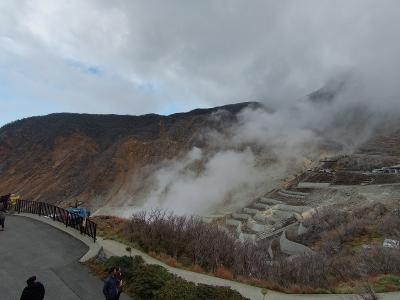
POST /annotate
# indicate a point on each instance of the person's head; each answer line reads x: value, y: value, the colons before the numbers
x: 113, y: 271
x: 31, y: 280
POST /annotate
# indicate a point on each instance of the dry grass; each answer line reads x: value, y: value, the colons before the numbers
x: 224, y: 273
x: 108, y: 226
x: 379, y: 283
x: 172, y: 262
x: 197, y: 269
x: 371, y: 238
x: 96, y: 269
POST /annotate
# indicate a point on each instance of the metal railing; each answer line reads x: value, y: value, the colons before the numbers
x: 70, y: 219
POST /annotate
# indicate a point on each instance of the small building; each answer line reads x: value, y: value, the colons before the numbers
x: 393, y: 169
x: 388, y: 170
x: 393, y: 244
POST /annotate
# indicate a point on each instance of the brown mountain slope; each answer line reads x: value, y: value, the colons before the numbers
x: 63, y: 158
x: 107, y: 159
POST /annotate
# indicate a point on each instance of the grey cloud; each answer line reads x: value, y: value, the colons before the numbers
x: 198, y: 53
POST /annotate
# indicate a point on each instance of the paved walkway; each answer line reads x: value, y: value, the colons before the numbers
x: 29, y: 247
x: 254, y: 293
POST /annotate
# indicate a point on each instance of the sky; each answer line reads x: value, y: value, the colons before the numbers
x: 136, y: 57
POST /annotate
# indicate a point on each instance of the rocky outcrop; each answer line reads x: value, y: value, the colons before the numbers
x: 292, y: 248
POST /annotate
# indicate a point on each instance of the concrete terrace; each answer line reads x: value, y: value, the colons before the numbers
x: 268, y: 217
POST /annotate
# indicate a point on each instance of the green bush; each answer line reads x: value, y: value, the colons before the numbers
x: 149, y: 280
x: 123, y: 262
x: 128, y: 265
x: 178, y: 289
x: 155, y: 282
x: 205, y: 291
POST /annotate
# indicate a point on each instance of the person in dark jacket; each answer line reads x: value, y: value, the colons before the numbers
x: 6, y: 201
x: 2, y: 216
x: 34, y: 290
x: 120, y: 282
x: 111, y: 285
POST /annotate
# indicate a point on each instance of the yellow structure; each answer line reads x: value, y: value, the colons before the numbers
x: 14, y: 198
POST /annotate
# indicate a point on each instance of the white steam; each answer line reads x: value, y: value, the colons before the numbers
x: 237, y: 165
x: 265, y: 145
x: 227, y: 178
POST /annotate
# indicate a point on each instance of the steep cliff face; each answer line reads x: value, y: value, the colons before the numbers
x: 63, y: 158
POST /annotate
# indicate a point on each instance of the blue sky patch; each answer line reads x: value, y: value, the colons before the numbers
x: 84, y: 68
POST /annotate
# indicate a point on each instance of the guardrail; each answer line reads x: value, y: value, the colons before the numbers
x: 70, y: 219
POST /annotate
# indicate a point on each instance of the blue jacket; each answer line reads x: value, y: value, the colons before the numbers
x: 110, y: 288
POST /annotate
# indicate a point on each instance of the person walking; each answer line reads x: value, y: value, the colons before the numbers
x: 34, y: 290
x: 6, y: 201
x: 120, y: 282
x: 2, y: 216
x: 111, y: 285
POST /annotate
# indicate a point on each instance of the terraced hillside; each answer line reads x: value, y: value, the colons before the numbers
x: 281, y: 217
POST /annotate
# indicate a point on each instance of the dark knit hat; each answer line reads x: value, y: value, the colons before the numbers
x: 31, y: 280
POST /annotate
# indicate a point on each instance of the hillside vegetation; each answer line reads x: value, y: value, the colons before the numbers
x: 347, y: 244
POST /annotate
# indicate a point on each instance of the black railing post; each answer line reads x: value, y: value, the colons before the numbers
x: 84, y: 225
x: 54, y: 212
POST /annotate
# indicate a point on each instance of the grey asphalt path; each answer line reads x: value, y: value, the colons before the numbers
x: 29, y: 247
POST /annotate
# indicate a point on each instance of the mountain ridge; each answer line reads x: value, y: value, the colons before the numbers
x: 66, y: 157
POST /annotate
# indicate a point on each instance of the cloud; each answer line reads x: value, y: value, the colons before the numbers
x: 195, y: 53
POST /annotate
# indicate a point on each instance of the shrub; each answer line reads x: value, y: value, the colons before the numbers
x: 381, y: 260
x: 353, y: 229
x: 138, y: 260
x: 206, y: 247
x: 123, y: 262
x: 197, y: 269
x: 172, y: 262
x: 217, y: 293
x: 128, y: 265
x: 149, y: 280
x: 390, y: 226
x: 153, y: 254
x: 155, y: 282
x: 178, y: 289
